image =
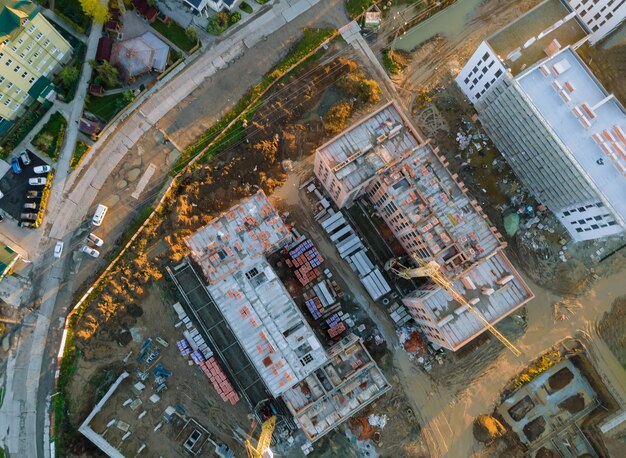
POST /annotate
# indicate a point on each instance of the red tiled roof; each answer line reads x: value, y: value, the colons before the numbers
x: 105, y: 45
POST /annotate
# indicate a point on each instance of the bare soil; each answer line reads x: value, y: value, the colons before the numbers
x: 519, y: 410
x: 573, y: 404
x: 560, y: 379
x: 612, y: 328
x: 535, y: 428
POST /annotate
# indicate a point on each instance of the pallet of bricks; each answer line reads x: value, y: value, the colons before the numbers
x: 305, y: 260
x: 216, y: 375
x: 335, y: 325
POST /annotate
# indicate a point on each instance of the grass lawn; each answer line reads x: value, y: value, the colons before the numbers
x: 105, y: 107
x: 49, y: 140
x: 175, y: 33
x: 80, y: 150
x: 356, y: 7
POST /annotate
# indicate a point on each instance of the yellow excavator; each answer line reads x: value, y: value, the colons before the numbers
x: 262, y: 449
x: 433, y: 270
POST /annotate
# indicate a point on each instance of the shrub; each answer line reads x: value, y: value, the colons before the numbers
x: 246, y: 8
x: 394, y: 61
x: 356, y: 85
x: 261, y: 2
x: 80, y: 150
x: 336, y: 118
x: 234, y: 18
x: 218, y: 23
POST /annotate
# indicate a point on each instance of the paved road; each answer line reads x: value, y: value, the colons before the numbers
x: 31, y: 366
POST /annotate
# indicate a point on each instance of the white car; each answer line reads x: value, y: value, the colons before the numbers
x: 90, y: 251
x: 93, y: 238
x: 58, y: 249
x: 42, y: 169
x: 37, y: 181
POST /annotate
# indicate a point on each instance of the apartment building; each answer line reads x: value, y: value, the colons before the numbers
x: 31, y: 50
x: 558, y: 128
x: 600, y: 17
x: 405, y: 179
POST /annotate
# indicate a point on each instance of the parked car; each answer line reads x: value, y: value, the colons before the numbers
x: 25, y: 224
x: 58, y: 249
x: 90, y: 251
x: 28, y: 216
x: 37, y: 181
x: 25, y: 157
x: 15, y: 165
x: 33, y: 194
x: 30, y: 205
x: 42, y: 169
x: 93, y: 238
x: 99, y: 215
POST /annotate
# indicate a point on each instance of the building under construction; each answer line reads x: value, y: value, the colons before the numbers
x: 321, y: 386
x: 406, y: 182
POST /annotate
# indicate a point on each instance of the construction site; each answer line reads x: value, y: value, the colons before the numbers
x: 308, y: 313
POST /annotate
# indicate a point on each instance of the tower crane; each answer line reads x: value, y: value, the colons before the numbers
x: 433, y: 270
x: 262, y: 450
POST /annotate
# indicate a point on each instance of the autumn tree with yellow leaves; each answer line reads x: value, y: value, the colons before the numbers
x: 96, y: 10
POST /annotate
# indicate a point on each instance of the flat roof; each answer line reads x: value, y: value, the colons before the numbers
x: 587, y: 145
x: 266, y: 321
x: 458, y: 324
x: 443, y: 215
x: 522, y: 43
x: 251, y: 228
x: 268, y: 325
x: 358, y: 153
x: 333, y: 393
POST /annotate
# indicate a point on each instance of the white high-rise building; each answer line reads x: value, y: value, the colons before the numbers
x: 561, y: 132
x: 599, y: 16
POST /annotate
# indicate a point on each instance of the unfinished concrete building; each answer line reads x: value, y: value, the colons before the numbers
x: 278, y: 340
x: 406, y: 181
x: 561, y: 132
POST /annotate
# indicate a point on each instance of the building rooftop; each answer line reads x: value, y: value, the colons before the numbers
x: 140, y: 55
x: 266, y: 321
x: 589, y: 122
x: 524, y: 42
x: 359, y: 152
x: 251, y: 228
x: 335, y: 391
x: 445, y: 218
x: 268, y: 325
x: 495, y: 301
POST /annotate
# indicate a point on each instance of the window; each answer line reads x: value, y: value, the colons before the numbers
x: 17, y: 68
x: 18, y: 90
x: 39, y: 36
x: 10, y: 85
x: 498, y: 73
x: 7, y: 102
x: 1, y: 96
x: 20, y: 41
x: 31, y: 29
x: 31, y: 80
x: 486, y: 56
x: 466, y: 80
x: 22, y: 55
x: 24, y: 75
x: 9, y: 62
x: 1, y: 79
x: 46, y: 43
x: 14, y: 48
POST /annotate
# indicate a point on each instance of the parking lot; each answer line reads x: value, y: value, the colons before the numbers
x: 14, y: 187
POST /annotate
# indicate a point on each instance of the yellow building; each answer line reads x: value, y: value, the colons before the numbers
x: 31, y: 50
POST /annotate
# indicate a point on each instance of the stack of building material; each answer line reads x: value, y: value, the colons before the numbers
x: 399, y: 314
x: 336, y: 325
x: 183, y: 346
x: 214, y: 372
x: 375, y: 284
x: 315, y: 307
x: 305, y: 260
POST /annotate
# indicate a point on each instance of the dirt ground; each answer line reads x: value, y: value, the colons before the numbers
x: 187, y: 386
x: 612, y: 328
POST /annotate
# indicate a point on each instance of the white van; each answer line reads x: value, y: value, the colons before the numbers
x: 99, y: 215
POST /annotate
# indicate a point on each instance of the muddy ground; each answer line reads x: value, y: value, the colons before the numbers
x: 612, y: 328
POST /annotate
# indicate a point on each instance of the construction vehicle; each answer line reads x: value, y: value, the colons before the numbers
x: 433, y: 270
x: 262, y: 450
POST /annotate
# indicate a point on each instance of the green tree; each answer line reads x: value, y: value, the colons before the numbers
x: 108, y: 74
x: 96, y: 10
x: 69, y: 75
